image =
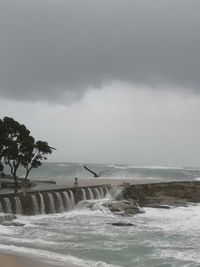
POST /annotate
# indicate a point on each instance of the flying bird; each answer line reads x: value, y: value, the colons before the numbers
x: 96, y: 175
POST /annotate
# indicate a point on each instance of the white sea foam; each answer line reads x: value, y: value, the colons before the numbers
x: 122, y: 167
x: 170, y: 236
x: 5, y: 230
x: 176, y: 220
x: 155, y: 167
x: 151, y: 167
x: 62, y: 164
x: 25, y: 241
x: 88, y: 231
x: 188, y: 255
x: 153, y: 178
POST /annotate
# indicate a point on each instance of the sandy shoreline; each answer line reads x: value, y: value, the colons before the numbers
x: 8, y: 260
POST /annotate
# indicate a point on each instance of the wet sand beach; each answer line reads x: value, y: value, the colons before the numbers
x: 8, y: 260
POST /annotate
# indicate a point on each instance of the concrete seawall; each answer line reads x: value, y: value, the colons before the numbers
x: 47, y: 199
x: 57, y: 198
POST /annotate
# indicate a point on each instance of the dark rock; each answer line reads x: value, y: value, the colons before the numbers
x: 122, y: 207
x: 122, y: 224
x: 11, y: 223
x: 157, y: 206
x: 164, y: 201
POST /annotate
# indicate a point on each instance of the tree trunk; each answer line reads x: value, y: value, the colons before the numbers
x: 16, y: 181
x: 15, y: 177
x: 15, y: 167
x: 27, y: 174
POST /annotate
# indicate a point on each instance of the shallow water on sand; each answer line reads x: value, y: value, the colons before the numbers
x: 84, y: 238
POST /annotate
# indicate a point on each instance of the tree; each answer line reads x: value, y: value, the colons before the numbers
x: 13, y: 144
x: 2, y: 139
x: 35, y: 153
x: 18, y: 147
x: 3, y: 133
x: 1, y: 169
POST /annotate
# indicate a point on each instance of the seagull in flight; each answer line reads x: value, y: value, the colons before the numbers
x: 96, y: 175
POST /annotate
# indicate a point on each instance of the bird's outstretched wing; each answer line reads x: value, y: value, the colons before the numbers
x: 94, y: 173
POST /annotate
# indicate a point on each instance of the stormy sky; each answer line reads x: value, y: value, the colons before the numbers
x: 110, y: 81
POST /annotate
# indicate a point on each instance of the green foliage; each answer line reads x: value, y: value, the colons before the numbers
x: 18, y: 147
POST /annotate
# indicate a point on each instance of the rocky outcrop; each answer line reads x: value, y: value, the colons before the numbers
x: 122, y: 207
x: 163, y: 195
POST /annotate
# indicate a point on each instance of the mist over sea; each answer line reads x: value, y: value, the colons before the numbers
x: 63, y: 172
x: 83, y: 237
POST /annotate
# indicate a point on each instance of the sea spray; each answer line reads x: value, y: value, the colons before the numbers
x: 72, y: 198
x: 42, y: 205
x: 91, y: 194
x: 35, y: 206
x: 84, y: 197
x: 18, y: 206
x: 52, y: 208
x: 101, y: 192
x: 67, y: 200
x: 115, y: 192
x: 7, y: 205
x: 107, y: 192
x: 60, y: 203
x: 94, y: 205
x: 97, y: 193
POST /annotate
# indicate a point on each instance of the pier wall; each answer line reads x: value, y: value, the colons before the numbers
x: 45, y: 201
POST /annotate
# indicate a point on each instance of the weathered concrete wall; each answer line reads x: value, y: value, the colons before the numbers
x: 27, y: 205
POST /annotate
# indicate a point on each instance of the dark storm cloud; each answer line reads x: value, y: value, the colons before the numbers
x: 48, y: 47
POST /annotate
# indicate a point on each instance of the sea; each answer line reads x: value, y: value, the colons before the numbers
x: 87, y: 238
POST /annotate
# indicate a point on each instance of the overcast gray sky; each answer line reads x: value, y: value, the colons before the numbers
x: 112, y: 81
